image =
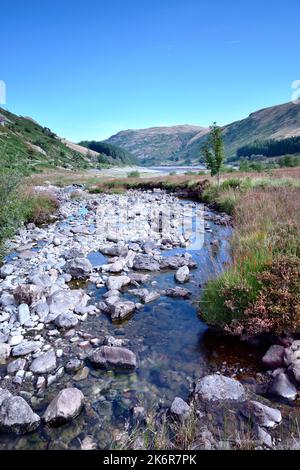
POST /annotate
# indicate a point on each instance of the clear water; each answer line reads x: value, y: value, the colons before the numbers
x: 174, y: 347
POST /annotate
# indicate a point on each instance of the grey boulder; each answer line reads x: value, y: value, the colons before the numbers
x: 283, y: 387
x: 44, y: 363
x: 217, y: 387
x: 64, y: 407
x: 113, y: 357
x: 261, y: 415
x: 274, y: 357
x: 66, y: 320
x: 78, y: 268
x: 16, y: 416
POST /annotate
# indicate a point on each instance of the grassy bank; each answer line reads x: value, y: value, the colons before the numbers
x: 260, y: 292
x: 21, y: 204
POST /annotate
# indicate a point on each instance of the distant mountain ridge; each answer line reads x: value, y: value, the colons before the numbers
x: 182, y: 144
x: 157, y: 144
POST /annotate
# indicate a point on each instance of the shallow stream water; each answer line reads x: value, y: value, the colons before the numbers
x: 174, y: 348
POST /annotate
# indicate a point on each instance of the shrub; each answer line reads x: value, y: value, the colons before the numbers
x: 133, y: 174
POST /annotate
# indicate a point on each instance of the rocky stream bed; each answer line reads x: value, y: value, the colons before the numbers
x: 99, y: 327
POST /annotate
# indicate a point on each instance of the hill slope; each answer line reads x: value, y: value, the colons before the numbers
x: 157, y: 145
x: 276, y: 122
x: 108, y: 153
x: 25, y: 144
x: 182, y: 144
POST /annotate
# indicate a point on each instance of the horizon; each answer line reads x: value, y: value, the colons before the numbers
x: 88, y: 73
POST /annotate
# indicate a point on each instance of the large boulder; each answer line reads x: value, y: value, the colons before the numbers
x: 44, y: 363
x: 26, y: 347
x: 66, y: 320
x: 62, y: 301
x: 114, y: 250
x: 261, y: 415
x: 17, y: 416
x: 78, y: 268
x: 283, y: 387
x: 274, y: 357
x: 145, y: 263
x: 121, y: 309
x: 177, y: 261
x: 64, y: 407
x: 145, y: 295
x: 217, y: 387
x: 182, y: 274
x: 117, y: 282
x: 113, y: 357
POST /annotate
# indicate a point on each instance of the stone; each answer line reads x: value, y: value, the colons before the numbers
x: 274, y: 357
x: 66, y: 320
x: 283, y: 387
x: 111, y: 341
x: 4, y: 352
x: 64, y: 300
x: 15, y: 365
x: 182, y: 274
x: 4, y: 394
x: 42, y: 310
x: 26, y: 347
x: 292, y: 354
x: 217, y: 387
x: 117, y: 282
x: 121, y: 309
x: 179, y: 407
x: 44, y: 363
x: 4, y: 316
x: 177, y: 261
x: 140, y: 278
x: 113, y: 357
x: 264, y: 437
x: 15, y: 339
x: 7, y: 299
x: 23, y: 314
x: 145, y: 263
x: 64, y: 407
x: 178, y: 292
x: 82, y: 374
x: 114, y: 250
x: 78, y: 268
x: 115, y: 267
x: 145, y: 295
x: 261, y: 415
x: 16, y: 416
x: 111, y: 293
x: 294, y: 371
x: 73, y: 365
x: 6, y: 270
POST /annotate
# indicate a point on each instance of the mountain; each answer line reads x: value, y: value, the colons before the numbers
x: 157, y: 145
x: 25, y: 144
x: 182, y: 144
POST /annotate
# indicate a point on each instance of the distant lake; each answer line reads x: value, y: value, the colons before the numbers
x: 177, y: 169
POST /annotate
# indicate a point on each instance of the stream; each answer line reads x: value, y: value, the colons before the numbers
x: 173, y: 345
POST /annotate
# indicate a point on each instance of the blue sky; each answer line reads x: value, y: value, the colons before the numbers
x: 88, y: 69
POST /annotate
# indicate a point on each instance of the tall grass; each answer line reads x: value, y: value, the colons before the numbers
x: 266, y: 252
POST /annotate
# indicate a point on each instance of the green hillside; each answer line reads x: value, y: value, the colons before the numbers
x: 110, y: 153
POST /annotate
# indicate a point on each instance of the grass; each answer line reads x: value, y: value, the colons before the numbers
x: 21, y: 205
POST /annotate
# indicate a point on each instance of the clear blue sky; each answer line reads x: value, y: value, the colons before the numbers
x: 88, y: 69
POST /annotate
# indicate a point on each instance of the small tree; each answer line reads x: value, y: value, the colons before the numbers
x: 213, y: 151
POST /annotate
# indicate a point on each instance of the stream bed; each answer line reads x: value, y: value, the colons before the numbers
x: 173, y: 345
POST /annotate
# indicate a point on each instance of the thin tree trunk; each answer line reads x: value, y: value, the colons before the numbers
x: 218, y: 179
